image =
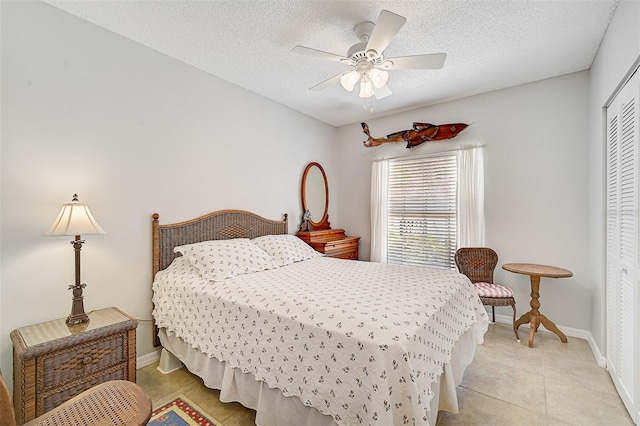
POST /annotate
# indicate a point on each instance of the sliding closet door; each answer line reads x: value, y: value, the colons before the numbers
x: 623, y: 313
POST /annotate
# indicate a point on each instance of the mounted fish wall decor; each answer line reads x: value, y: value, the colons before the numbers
x: 420, y: 133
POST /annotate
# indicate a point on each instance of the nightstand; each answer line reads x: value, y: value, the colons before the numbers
x: 52, y: 362
x: 332, y: 242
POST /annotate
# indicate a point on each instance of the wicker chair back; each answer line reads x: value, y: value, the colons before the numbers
x: 477, y: 263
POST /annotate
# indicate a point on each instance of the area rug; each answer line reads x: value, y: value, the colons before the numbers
x: 181, y: 412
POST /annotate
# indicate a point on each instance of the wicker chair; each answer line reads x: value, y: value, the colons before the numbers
x: 478, y: 263
x: 117, y: 402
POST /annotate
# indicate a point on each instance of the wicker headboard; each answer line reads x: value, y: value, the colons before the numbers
x: 219, y: 225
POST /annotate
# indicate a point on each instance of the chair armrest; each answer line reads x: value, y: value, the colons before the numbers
x: 116, y: 402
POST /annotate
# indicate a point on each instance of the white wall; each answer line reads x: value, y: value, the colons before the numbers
x: 133, y: 132
x: 536, y: 182
x: 619, y: 50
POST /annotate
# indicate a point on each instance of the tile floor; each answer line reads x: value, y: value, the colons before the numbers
x: 508, y: 383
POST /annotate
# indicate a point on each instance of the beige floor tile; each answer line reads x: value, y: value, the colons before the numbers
x: 481, y: 410
x: 164, y: 387
x: 574, y: 404
x: 499, y: 333
x: 576, y: 370
x: 509, y: 352
x: 506, y: 383
x: 574, y: 348
x: 556, y: 422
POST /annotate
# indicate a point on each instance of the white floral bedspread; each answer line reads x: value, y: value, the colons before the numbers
x: 360, y: 341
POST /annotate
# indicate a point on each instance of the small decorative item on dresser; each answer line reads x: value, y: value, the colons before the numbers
x: 305, y: 221
x: 53, y: 362
x: 75, y: 219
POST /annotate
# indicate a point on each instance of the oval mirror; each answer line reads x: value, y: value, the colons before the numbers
x: 315, y: 196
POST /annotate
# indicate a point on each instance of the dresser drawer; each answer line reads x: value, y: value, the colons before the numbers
x: 346, y: 244
x: 81, y: 360
x: 343, y: 249
x: 349, y: 254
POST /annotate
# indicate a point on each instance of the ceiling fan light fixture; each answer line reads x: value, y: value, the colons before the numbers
x: 348, y: 80
x: 366, y: 88
x: 378, y: 77
x: 366, y: 59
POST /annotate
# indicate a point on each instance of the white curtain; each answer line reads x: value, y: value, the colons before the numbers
x: 379, y: 210
x: 470, y: 197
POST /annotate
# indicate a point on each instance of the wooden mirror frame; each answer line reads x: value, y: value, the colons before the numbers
x: 323, y: 223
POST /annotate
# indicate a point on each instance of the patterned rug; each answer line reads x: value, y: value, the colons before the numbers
x: 181, y: 412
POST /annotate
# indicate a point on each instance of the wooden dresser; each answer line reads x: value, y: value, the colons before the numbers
x: 332, y: 242
x: 53, y: 362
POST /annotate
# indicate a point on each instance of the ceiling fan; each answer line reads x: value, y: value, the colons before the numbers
x: 366, y: 60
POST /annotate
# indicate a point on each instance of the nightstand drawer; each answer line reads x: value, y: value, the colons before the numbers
x: 82, y: 360
x: 53, y: 397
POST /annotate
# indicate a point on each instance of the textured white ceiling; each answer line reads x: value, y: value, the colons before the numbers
x: 490, y: 44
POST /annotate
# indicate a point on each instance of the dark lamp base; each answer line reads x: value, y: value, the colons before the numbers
x: 74, y: 319
x: 77, y: 315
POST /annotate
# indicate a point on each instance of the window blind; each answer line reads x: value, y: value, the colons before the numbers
x: 422, y: 211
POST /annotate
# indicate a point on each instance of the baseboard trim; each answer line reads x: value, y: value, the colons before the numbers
x: 148, y: 359
x: 569, y: 331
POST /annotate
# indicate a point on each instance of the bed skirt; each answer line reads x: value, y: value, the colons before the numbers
x: 274, y: 409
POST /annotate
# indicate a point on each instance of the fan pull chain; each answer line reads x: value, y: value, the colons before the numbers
x: 364, y: 106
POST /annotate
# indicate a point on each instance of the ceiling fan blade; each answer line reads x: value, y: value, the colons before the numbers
x: 329, y: 82
x: 382, y: 92
x: 428, y: 61
x: 386, y: 28
x: 319, y: 54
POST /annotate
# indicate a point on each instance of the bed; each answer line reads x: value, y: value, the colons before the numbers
x: 308, y: 340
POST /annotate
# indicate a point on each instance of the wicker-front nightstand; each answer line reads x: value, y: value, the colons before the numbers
x: 53, y: 362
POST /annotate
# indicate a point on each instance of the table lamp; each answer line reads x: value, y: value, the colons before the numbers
x: 76, y: 219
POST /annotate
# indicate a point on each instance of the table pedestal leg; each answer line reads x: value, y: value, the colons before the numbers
x: 534, y: 317
x: 534, y: 314
x: 549, y: 325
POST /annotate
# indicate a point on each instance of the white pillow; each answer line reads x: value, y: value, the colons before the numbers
x: 286, y: 249
x: 220, y: 259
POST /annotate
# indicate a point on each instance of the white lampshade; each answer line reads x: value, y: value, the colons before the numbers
x: 75, y: 219
x: 378, y: 77
x: 366, y: 89
x: 349, y: 80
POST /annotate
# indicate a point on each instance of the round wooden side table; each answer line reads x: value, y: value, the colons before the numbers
x: 534, y: 317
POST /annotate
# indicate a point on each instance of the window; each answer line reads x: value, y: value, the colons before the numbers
x: 422, y: 211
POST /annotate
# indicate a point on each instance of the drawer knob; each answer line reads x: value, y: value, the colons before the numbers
x: 87, y: 360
